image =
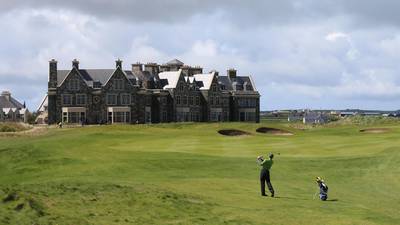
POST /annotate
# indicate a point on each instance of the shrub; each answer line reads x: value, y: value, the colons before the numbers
x: 12, y: 127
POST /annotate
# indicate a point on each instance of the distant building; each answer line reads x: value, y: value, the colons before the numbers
x: 149, y: 93
x: 42, y: 112
x: 308, y: 117
x: 295, y: 116
x: 312, y: 117
x: 11, y: 110
x: 348, y: 113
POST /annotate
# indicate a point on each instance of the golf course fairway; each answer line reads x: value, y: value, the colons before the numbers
x: 191, y: 174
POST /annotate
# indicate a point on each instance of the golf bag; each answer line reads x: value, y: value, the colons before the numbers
x: 323, y: 191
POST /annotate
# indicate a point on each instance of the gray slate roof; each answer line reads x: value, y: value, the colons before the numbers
x: 154, y: 80
x: 13, y: 103
x: 238, y: 81
x: 92, y: 75
x: 175, y: 62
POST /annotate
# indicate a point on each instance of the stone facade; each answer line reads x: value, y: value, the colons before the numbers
x: 149, y: 93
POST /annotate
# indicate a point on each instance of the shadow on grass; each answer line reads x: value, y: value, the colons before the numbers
x: 291, y: 198
x: 294, y: 198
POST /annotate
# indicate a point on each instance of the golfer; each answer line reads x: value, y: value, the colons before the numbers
x: 266, y: 165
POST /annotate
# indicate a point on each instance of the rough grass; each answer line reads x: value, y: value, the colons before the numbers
x: 190, y: 174
x: 12, y: 127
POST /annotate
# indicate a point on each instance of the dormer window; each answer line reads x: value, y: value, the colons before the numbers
x: 96, y: 84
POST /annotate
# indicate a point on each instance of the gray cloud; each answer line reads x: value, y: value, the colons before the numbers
x: 244, y: 13
x: 330, y: 54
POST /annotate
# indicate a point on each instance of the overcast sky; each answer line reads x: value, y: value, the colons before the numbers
x: 332, y: 54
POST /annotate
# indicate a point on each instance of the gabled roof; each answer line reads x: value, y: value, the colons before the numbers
x: 175, y: 62
x: 238, y: 81
x: 92, y: 75
x: 192, y: 80
x: 23, y: 111
x: 6, y: 110
x: 224, y: 80
x: 12, y: 103
x: 206, y: 79
x: 172, y: 77
x: 44, y: 104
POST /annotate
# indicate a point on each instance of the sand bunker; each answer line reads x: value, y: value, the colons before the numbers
x: 375, y: 130
x: 274, y: 131
x: 233, y: 132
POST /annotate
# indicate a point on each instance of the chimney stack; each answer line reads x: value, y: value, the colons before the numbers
x: 152, y: 68
x: 231, y: 74
x: 6, y: 94
x: 75, y: 63
x: 137, y: 67
x: 52, y: 74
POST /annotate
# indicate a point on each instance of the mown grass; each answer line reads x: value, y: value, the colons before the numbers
x: 190, y: 174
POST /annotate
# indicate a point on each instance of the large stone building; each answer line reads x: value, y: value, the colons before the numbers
x: 149, y: 93
x: 11, y: 110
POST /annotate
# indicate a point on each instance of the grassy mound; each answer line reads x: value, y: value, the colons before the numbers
x: 12, y: 127
x: 187, y: 174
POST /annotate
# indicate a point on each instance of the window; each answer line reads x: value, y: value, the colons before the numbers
x: 111, y: 99
x: 178, y: 100
x: 215, y: 116
x: 164, y: 116
x: 125, y: 99
x: 65, y: 117
x: 66, y: 99
x: 121, y: 117
x: 81, y: 99
x: 191, y: 100
x: 147, y: 115
x: 250, y: 116
x: 181, y: 87
x: 118, y: 84
x: 217, y: 100
x: 197, y: 100
x: 211, y: 100
x: 110, y: 117
x: 226, y: 117
x: 133, y: 99
x: 148, y: 100
x: 214, y: 88
x: 225, y: 101
x: 185, y: 99
x: 76, y: 117
x: 73, y: 85
x: 163, y: 100
x: 193, y: 116
x: 96, y: 84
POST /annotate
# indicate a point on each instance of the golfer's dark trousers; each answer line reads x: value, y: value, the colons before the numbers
x: 265, y: 178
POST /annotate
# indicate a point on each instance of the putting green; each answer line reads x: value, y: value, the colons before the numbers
x: 190, y: 174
